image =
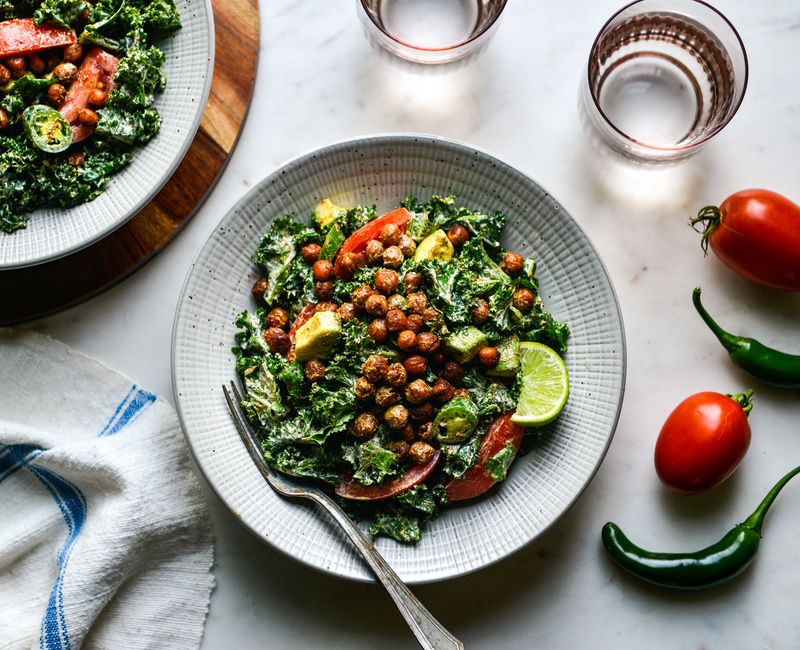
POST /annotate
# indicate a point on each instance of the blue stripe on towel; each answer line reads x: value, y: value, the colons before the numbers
x: 131, y: 406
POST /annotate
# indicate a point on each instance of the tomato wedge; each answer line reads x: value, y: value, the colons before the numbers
x: 349, y: 488
x: 302, y: 318
x: 23, y: 36
x: 357, y: 242
x: 96, y: 71
x: 477, y: 480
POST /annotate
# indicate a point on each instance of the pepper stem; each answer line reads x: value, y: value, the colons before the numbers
x: 728, y: 340
x: 743, y: 400
x: 710, y: 216
x: 755, y: 520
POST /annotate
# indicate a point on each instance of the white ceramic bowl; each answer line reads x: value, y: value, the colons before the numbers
x: 575, y: 286
x: 55, y: 232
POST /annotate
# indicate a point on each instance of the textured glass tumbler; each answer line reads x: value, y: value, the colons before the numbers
x: 663, y: 77
x: 430, y: 32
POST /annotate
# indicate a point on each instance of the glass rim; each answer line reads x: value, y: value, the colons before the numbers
x: 706, y: 136
x: 447, y: 48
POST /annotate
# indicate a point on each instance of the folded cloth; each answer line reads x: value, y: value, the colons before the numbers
x: 105, y: 539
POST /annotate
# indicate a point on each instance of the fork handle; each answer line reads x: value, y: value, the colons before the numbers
x: 430, y: 633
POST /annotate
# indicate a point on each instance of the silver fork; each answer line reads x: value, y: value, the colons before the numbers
x: 430, y: 633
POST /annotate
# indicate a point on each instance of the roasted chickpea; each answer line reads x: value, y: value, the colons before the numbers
x: 463, y: 393
x: 452, y: 371
x: 310, y: 252
x: 65, y: 72
x: 415, y: 365
x: 365, y: 426
x: 406, y: 433
x: 406, y: 340
x: 418, y: 391
x: 393, y: 257
x: 480, y: 312
x: 73, y: 53
x: 377, y: 330
x: 396, y: 301
x: 88, y: 117
x: 390, y: 235
x: 430, y: 314
x: 56, y: 94
x: 421, y: 452
x: 364, y: 388
x: 396, y: 416
x: 347, y: 311
x: 349, y: 263
x: 395, y: 320
x: 324, y: 290
x: 375, y: 368
x: 427, y: 342
x: 386, y: 396
x: 407, y: 245
x: 412, y: 280
x: 376, y: 305
x: 314, y: 370
x: 457, y: 234
x: 442, y: 390
x: 361, y: 294
x: 323, y: 270
x: 512, y: 264
x: 277, y: 340
x: 36, y: 64
x: 523, y: 299
x: 414, y: 322
x: 16, y: 66
x: 5, y: 75
x: 425, y: 431
x: 51, y: 59
x: 489, y: 356
x: 437, y: 359
x: 398, y: 447
x: 77, y: 158
x: 374, y: 251
x: 396, y: 375
x: 421, y: 413
x: 97, y: 98
x: 277, y: 317
x: 417, y: 302
x: 385, y: 281
x: 259, y: 287
x: 3, y: 120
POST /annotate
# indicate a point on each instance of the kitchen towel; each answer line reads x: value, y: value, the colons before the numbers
x: 105, y: 540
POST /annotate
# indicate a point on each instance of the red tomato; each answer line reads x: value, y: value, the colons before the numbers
x: 96, y: 71
x: 477, y: 480
x: 357, y: 242
x: 703, y: 440
x: 757, y: 234
x: 23, y: 36
x: 302, y: 318
x: 352, y: 489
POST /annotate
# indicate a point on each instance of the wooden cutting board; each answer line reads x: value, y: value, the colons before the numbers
x: 36, y: 291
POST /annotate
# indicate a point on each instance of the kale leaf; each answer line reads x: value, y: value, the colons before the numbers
x: 497, y: 465
x: 373, y: 463
x: 403, y: 528
x: 60, y: 12
x: 262, y: 403
x: 459, y: 458
x: 127, y: 126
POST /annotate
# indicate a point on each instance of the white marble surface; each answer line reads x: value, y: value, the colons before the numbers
x: 318, y: 82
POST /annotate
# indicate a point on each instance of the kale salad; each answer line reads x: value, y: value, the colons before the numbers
x: 386, y: 356
x: 77, y: 84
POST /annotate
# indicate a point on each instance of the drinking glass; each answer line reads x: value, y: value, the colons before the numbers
x: 663, y: 78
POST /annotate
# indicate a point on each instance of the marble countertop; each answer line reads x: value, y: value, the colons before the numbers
x: 318, y: 82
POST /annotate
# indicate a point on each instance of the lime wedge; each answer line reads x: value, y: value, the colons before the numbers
x: 545, y: 386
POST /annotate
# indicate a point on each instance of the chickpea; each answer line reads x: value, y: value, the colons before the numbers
x: 418, y: 391
x: 430, y: 314
x: 36, y: 64
x: 443, y: 390
x: 349, y: 263
x: 407, y: 245
x: 512, y: 264
x: 396, y: 416
x: 421, y: 452
x: 421, y: 413
x: 314, y: 370
x: 347, y: 311
x: 364, y: 388
x: 277, y: 317
x: 16, y: 66
x: 65, y: 72
x: 73, y: 53
x: 360, y: 295
x: 406, y: 340
x: 377, y: 330
x: 396, y: 375
x: 480, y: 312
x: 56, y: 94
x: 437, y: 359
x: 88, y: 117
x: 97, y: 98
x: 3, y: 120
x: 390, y: 235
x: 412, y: 280
x: 417, y: 302
x: 452, y: 371
x: 427, y: 342
x: 5, y: 75
x: 415, y: 365
x: 386, y: 281
x: 374, y: 251
x: 395, y: 320
x: 386, y: 396
x: 398, y: 447
x: 393, y: 257
x: 523, y: 299
x: 489, y: 356
x: 396, y: 301
x: 277, y: 340
x: 458, y: 235
x: 414, y: 322
x: 425, y: 431
x: 310, y: 252
x: 323, y: 270
x: 325, y: 306
x: 77, y: 158
x: 324, y: 290
x: 406, y: 433
x: 375, y: 368
x: 365, y: 425
x: 259, y: 287
x: 463, y: 393
x: 376, y: 305
x: 51, y: 60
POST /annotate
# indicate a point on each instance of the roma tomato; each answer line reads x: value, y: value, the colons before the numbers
x: 703, y: 440
x: 24, y: 36
x: 355, y: 491
x: 757, y: 234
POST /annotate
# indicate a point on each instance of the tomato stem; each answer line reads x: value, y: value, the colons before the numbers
x: 710, y: 216
x: 743, y: 400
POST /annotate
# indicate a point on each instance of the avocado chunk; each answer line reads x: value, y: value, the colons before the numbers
x: 508, y: 364
x: 465, y: 343
x: 327, y: 212
x: 456, y: 421
x: 317, y: 338
x: 435, y: 246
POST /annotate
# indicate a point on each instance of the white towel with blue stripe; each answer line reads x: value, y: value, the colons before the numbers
x: 105, y: 539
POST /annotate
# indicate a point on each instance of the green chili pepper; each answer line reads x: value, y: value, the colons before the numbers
x: 456, y: 421
x: 767, y: 364
x: 710, y: 566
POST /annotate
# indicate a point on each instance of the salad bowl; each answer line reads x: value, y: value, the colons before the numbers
x: 574, y: 285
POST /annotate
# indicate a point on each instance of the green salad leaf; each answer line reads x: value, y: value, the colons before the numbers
x: 373, y: 463
x: 497, y: 465
x: 60, y: 12
x: 403, y: 528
